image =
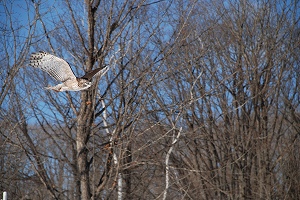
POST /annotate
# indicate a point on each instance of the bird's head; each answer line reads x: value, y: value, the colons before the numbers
x: 84, y: 84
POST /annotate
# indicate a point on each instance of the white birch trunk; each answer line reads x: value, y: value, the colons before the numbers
x: 167, y: 163
x: 115, y: 158
x: 4, y: 196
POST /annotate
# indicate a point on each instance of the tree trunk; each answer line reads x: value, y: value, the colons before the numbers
x: 84, y: 123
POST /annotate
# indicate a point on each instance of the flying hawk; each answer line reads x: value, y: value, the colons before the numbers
x: 60, y: 70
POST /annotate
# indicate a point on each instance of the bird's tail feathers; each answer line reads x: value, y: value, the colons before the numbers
x: 102, y: 72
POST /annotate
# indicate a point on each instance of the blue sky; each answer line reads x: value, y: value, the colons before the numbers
x: 18, y: 10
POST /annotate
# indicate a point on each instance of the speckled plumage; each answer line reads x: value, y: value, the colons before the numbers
x: 60, y: 70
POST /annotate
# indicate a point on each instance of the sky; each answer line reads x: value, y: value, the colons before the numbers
x: 19, y: 11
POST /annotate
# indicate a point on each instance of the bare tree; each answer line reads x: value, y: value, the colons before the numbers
x: 201, y: 102
x: 233, y: 86
x: 101, y: 33
x: 16, y: 38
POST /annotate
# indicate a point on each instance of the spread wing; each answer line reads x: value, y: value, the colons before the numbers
x: 96, y: 72
x: 56, y: 67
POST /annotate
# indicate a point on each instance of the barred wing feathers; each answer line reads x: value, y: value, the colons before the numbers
x: 56, y: 67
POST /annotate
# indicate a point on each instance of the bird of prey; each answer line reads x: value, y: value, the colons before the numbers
x: 60, y: 70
